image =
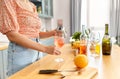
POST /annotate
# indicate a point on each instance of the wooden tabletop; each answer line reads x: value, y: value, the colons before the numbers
x: 103, y: 67
x: 3, y: 46
x: 109, y: 66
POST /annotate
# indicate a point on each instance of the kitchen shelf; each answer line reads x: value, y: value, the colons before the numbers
x: 44, y: 8
x: 36, y: 0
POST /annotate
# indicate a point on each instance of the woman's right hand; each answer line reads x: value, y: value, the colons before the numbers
x: 52, y: 50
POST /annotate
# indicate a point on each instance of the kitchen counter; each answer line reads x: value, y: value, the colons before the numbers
x: 3, y: 45
x: 104, y: 67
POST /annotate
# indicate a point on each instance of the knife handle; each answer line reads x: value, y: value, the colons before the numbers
x: 47, y: 71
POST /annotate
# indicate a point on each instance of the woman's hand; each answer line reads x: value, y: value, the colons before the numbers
x: 50, y: 33
x: 52, y: 50
x: 58, y: 33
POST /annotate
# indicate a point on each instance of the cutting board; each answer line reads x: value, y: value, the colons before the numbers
x: 86, y: 73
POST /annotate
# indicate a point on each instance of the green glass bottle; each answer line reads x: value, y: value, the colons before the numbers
x: 106, y: 42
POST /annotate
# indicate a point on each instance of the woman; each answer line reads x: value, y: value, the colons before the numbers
x: 19, y: 21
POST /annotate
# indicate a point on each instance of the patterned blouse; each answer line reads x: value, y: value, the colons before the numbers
x: 14, y: 17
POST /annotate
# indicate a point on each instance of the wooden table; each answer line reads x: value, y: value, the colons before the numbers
x: 107, y: 66
x: 3, y: 45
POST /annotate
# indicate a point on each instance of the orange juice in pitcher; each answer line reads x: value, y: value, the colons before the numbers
x: 83, y: 47
x: 83, y: 42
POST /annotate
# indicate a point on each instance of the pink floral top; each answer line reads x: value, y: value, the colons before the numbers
x: 14, y: 17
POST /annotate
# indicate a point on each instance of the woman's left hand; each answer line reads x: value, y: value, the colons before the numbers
x: 52, y: 50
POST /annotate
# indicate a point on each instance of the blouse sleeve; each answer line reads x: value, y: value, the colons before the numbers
x: 34, y: 7
x: 8, y: 17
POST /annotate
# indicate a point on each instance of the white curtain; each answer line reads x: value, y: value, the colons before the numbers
x: 75, y: 15
x: 115, y: 19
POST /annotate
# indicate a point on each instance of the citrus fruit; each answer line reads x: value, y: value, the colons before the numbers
x: 81, y: 61
x: 76, y: 44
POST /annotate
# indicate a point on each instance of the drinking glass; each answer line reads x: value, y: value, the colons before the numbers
x: 95, y: 44
x: 59, y: 37
x: 59, y: 42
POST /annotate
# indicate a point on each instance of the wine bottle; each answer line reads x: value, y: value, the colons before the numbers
x: 106, y: 42
x: 61, y: 28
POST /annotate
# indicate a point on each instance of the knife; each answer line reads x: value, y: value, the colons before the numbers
x: 48, y: 71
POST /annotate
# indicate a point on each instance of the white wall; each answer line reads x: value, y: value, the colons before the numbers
x: 61, y: 10
x: 45, y: 24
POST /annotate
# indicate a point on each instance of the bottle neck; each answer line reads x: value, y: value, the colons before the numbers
x: 83, y: 34
x: 83, y: 29
x: 106, y: 30
x: 60, y: 23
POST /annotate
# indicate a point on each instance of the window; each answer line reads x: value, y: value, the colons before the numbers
x: 95, y: 13
x: 98, y: 13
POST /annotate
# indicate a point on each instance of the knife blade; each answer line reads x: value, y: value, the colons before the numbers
x: 48, y: 71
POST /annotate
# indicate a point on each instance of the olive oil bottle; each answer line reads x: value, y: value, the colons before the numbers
x: 106, y: 42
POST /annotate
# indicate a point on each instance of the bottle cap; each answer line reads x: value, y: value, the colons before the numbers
x: 106, y: 24
x: 60, y: 22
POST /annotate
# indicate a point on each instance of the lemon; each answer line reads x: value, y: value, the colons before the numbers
x: 76, y: 44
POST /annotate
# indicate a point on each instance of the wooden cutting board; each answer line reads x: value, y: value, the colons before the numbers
x: 87, y: 73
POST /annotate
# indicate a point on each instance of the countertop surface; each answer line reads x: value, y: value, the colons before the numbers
x: 3, y: 45
x: 107, y: 66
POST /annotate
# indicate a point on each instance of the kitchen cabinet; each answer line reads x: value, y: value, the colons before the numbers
x: 44, y: 8
x: 3, y: 64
